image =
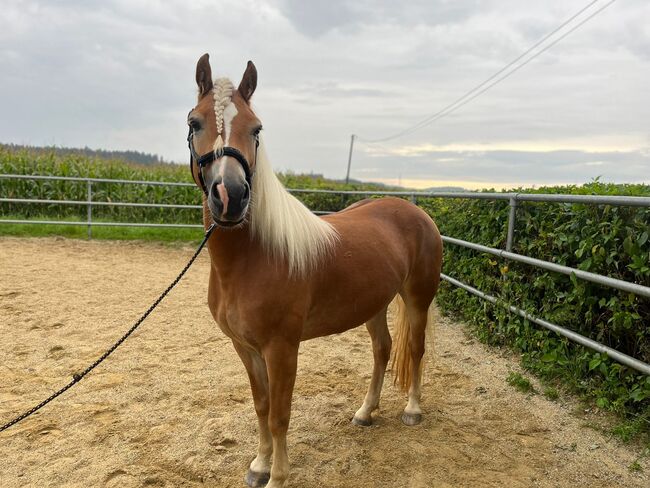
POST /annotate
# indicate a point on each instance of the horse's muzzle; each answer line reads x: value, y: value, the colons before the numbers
x: 228, y: 201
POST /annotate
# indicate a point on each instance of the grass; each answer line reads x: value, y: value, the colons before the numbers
x: 627, y: 430
x: 186, y: 235
x: 551, y: 393
x: 631, y: 429
x: 520, y: 382
x: 635, y: 467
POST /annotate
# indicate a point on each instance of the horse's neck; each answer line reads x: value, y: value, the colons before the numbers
x: 228, y: 247
x: 224, y: 245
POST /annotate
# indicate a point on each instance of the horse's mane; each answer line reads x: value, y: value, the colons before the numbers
x: 284, y: 226
x: 222, y: 94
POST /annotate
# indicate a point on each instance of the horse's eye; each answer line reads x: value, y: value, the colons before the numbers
x: 256, y: 131
x: 194, y: 124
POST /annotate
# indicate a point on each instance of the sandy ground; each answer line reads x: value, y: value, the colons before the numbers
x: 172, y: 406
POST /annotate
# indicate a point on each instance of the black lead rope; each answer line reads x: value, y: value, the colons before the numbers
x: 79, y: 376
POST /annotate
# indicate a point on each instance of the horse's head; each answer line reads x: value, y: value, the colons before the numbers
x: 223, y: 140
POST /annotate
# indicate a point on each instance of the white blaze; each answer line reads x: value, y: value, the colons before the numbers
x: 229, y: 113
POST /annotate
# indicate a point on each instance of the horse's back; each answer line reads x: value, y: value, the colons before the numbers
x: 386, y: 208
x: 389, y: 219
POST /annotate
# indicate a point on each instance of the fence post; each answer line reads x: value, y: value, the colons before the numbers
x: 511, y: 222
x: 414, y: 199
x: 89, y: 199
x: 347, y: 175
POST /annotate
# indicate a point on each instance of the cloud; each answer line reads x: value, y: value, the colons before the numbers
x: 315, y: 18
x: 119, y: 74
x: 525, y: 167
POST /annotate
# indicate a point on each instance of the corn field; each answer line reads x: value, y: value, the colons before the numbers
x: 74, y: 165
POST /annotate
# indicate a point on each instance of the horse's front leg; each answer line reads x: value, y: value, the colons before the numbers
x: 259, y: 471
x: 281, y: 357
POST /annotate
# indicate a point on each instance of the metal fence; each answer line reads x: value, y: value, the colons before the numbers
x: 89, y: 203
x: 512, y: 198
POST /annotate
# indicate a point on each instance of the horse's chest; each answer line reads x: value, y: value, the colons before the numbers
x: 232, y: 322
x: 221, y: 310
x: 227, y: 321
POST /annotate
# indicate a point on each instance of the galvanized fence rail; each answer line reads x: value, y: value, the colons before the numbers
x: 513, y: 199
x: 89, y: 203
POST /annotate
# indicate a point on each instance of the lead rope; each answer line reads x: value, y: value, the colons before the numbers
x: 76, y: 377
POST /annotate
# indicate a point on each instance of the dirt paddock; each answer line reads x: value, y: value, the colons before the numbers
x: 172, y: 406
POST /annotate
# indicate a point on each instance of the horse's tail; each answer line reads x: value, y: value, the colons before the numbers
x: 402, y: 360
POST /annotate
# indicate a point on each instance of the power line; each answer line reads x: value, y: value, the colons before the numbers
x: 517, y: 68
x: 477, y: 91
x: 423, y: 122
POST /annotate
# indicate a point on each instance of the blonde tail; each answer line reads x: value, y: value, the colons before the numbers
x: 401, y: 359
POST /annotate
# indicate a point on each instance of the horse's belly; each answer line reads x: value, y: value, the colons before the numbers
x: 347, y: 307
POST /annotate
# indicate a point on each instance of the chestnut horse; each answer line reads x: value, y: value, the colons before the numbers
x: 280, y: 275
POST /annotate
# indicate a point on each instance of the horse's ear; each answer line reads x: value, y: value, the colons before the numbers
x: 204, y: 75
x: 248, y: 82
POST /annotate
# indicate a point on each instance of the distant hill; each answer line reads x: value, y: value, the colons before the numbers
x: 129, y: 156
x: 402, y: 188
x: 376, y: 184
x: 446, y: 189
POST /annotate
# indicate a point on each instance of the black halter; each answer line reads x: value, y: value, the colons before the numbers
x: 207, y: 158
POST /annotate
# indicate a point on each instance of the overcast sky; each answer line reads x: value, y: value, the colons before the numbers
x: 120, y: 75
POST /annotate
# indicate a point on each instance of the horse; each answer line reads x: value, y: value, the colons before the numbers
x: 280, y: 275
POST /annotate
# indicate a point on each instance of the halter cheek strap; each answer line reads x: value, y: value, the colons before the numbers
x: 207, y: 158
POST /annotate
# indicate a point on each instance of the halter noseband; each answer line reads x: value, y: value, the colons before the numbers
x: 207, y: 158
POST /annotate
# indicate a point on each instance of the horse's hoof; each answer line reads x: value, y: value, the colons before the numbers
x: 257, y: 480
x: 411, y: 419
x: 361, y: 422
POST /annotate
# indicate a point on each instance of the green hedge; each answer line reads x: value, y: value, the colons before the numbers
x: 602, y: 239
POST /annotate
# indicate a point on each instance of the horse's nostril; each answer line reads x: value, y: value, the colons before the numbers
x: 246, y: 194
x: 215, y: 189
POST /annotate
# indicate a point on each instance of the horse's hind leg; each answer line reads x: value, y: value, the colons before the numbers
x: 381, y: 345
x: 413, y: 322
x: 413, y: 413
x: 259, y: 471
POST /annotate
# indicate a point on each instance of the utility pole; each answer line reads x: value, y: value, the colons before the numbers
x: 347, y: 175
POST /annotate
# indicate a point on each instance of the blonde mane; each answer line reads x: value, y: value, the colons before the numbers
x: 284, y: 226
x: 222, y: 94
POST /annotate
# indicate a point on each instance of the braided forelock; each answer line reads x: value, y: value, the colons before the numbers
x: 222, y: 93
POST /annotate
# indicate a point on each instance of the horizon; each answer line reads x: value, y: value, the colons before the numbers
x: 406, y: 184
